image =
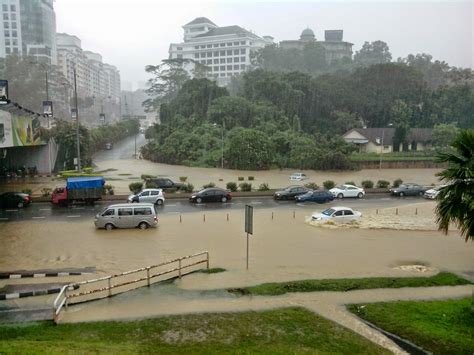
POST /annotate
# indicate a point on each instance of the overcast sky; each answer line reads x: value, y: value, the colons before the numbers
x: 133, y: 33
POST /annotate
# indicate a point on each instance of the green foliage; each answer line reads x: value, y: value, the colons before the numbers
x: 135, y: 187
x: 108, y: 190
x: 183, y: 178
x: 376, y: 52
x: 188, y: 187
x: 46, y: 192
x: 455, y: 202
x: 146, y: 177
x: 232, y: 186
x: 27, y: 191
x: 367, y: 184
x: 263, y: 187
x: 397, y: 182
x: 251, y: 178
x: 383, y: 184
x: 311, y: 186
x: 241, y: 178
x: 443, y: 135
x: 245, y: 186
x: 350, y: 183
x: 214, y: 270
x: 150, y: 184
x: 211, y: 184
x: 248, y: 149
x: 329, y: 184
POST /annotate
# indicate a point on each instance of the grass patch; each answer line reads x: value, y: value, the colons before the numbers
x: 280, y: 288
x: 281, y: 331
x: 106, y: 170
x: 441, y: 327
x: 124, y: 174
x: 406, y: 156
x: 213, y: 270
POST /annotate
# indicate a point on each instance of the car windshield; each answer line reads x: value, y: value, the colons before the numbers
x: 340, y: 187
x: 328, y: 212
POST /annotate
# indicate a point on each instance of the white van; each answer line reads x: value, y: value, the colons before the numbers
x: 141, y: 215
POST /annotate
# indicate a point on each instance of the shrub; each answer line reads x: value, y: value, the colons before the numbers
x: 240, y: 178
x: 245, y: 186
x: 146, y: 176
x: 397, y: 182
x: 46, y: 192
x: 149, y: 184
x: 251, y: 178
x: 383, y: 184
x: 135, y: 187
x: 108, y: 190
x: 27, y: 191
x: 221, y: 179
x: 183, y: 178
x: 350, y: 183
x: 88, y: 170
x: 172, y: 190
x: 367, y: 184
x: 263, y: 187
x: 311, y: 186
x: 187, y: 187
x: 232, y: 186
x: 329, y: 184
x: 211, y: 184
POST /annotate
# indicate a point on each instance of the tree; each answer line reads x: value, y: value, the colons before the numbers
x: 373, y: 53
x: 443, y: 135
x: 400, y: 116
x: 248, y: 149
x: 456, y: 199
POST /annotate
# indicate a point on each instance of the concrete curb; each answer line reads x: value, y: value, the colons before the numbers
x: 16, y: 295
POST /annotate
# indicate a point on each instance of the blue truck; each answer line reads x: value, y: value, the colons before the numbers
x: 79, y: 189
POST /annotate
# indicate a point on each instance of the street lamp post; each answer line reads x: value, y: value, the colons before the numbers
x: 77, y: 124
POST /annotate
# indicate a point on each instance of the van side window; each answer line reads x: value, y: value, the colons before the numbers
x: 142, y: 211
x: 155, y: 192
x: 109, y: 212
x: 125, y: 212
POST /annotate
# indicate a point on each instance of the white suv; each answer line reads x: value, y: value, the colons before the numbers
x: 156, y: 196
x: 298, y: 177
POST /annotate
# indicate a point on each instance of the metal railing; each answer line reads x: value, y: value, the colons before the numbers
x: 94, y: 293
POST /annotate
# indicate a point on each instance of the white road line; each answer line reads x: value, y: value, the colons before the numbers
x: 171, y: 205
x: 45, y: 209
x: 39, y: 217
x: 75, y: 216
x: 11, y: 210
x: 171, y: 212
x: 78, y: 208
x: 256, y: 203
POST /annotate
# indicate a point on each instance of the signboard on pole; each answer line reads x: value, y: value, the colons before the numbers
x: 4, y: 92
x: 73, y: 113
x: 249, y: 219
x: 102, y: 117
x: 48, y: 108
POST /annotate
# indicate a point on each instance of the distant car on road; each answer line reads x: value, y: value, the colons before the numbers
x: 164, y: 183
x: 109, y: 146
x: 347, y: 190
x: 298, y: 177
x: 212, y: 194
x: 408, y: 190
x: 319, y: 196
x: 433, y: 193
x: 337, y: 215
x: 290, y: 193
x: 155, y: 196
x: 14, y: 200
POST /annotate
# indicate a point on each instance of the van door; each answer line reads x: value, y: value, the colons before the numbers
x: 125, y: 217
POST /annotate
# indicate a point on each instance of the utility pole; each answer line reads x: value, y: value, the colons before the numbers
x: 222, y: 143
x: 77, y: 125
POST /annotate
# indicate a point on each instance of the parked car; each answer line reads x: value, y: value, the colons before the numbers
x: 155, y: 196
x: 319, y: 196
x: 109, y: 146
x: 14, y: 200
x: 347, y: 190
x: 164, y: 183
x: 298, y: 177
x: 433, y: 193
x: 142, y: 215
x: 212, y: 194
x: 290, y: 193
x: 408, y: 190
x: 337, y: 215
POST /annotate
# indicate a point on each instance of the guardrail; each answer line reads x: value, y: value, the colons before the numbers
x: 94, y: 293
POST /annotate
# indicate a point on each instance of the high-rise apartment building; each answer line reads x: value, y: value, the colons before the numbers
x: 225, y: 51
x: 28, y: 28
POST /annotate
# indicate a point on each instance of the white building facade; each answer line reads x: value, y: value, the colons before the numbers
x: 224, y: 51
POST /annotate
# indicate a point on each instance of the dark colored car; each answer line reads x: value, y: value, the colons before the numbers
x: 14, y: 200
x: 319, y: 196
x: 290, y: 193
x: 212, y: 194
x: 408, y: 190
x: 163, y: 183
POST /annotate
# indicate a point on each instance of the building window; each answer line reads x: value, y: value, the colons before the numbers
x: 242, y: 59
x: 13, y: 16
x: 222, y: 45
x: 179, y: 48
x: 236, y: 67
x: 236, y: 59
x: 196, y: 47
x: 203, y: 47
x: 180, y: 56
x: 5, y: 16
x: 14, y: 34
x: 209, y: 46
x: 216, y: 68
x: 236, y: 52
x: 209, y: 54
x: 8, y: 51
x: 242, y: 43
x: 7, y: 33
x: 15, y: 50
x: 215, y: 45
x: 14, y: 25
x: 229, y: 44
x: 242, y: 51
x: 222, y: 67
x: 229, y: 52
x: 222, y: 74
x: 222, y: 53
x: 229, y: 60
x: 216, y: 61
x: 7, y: 42
x: 12, y: 8
x: 242, y: 66
x: 229, y: 67
x: 203, y: 62
x: 5, y: 7
x: 6, y: 25
x: 203, y: 55
x: 14, y: 42
x: 222, y: 60
x: 216, y: 54
x: 209, y: 61
x: 236, y: 43
x: 196, y: 55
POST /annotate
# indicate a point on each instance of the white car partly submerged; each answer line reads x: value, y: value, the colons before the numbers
x: 433, y: 193
x: 337, y: 215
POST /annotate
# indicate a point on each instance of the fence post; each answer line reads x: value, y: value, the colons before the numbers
x: 204, y: 217
x: 416, y: 211
x: 180, y: 220
x: 272, y: 215
x: 207, y: 263
x: 377, y: 211
x: 396, y: 211
x: 179, y: 266
x: 110, y: 286
x: 293, y: 214
x: 65, y: 295
x: 227, y: 217
x: 148, y: 276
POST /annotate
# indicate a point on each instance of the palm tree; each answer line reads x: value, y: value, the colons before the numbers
x: 456, y: 199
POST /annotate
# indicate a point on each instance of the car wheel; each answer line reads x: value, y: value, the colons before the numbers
x: 143, y: 225
x: 360, y: 194
x: 198, y: 200
x: 109, y: 226
x: 401, y: 194
x: 224, y: 199
x: 20, y: 204
x: 159, y: 202
x: 340, y: 196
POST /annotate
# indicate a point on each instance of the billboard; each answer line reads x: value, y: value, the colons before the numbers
x: 19, y: 130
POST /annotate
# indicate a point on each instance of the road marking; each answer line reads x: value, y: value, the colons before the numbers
x: 171, y: 205
x: 41, y: 217
x: 45, y: 209
x: 256, y: 202
x: 227, y: 203
x: 3, y: 219
x: 78, y: 208
x: 11, y: 210
x: 75, y: 216
x: 171, y: 212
